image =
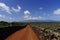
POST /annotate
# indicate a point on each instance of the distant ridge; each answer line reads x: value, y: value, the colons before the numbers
x: 40, y: 21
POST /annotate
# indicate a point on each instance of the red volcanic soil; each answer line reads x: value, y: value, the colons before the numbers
x: 24, y: 34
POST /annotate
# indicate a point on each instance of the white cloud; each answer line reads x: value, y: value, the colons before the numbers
x: 40, y: 8
x: 56, y: 11
x: 2, y: 16
x: 16, y: 10
x: 40, y: 17
x: 10, y: 18
x: 44, y: 14
x: 9, y: 10
x: 33, y: 18
x: 48, y: 14
x: 4, y: 7
x: 28, y: 17
x: 26, y: 12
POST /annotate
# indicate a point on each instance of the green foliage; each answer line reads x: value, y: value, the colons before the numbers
x: 2, y: 23
x: 47, y: 25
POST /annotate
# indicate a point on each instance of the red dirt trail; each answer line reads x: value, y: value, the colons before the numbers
x: 24, y: 34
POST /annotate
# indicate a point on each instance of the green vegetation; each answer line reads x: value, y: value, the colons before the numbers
x: 39, y: 24
x: 46, y: 25
x: 2, y: 23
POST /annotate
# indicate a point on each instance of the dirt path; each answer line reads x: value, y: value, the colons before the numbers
x: 24, y: 34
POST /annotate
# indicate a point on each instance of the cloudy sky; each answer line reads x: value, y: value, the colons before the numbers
x: 20, y: 10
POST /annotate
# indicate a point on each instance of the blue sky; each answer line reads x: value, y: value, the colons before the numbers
x: 20, y: 10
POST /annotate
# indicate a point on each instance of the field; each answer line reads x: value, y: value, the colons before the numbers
x: 55, y: 26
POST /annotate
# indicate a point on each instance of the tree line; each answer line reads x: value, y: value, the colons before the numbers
x: 3, y: 23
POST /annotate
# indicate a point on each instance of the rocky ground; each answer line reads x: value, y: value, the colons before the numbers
x: 47, y: 34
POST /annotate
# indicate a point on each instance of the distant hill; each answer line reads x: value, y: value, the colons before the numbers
x: 39, y: 21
